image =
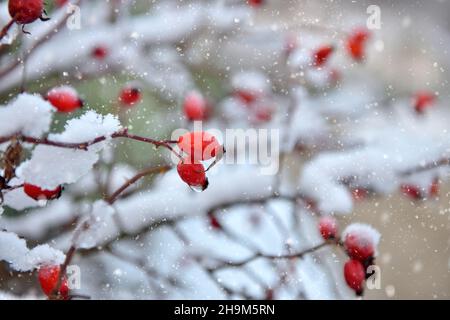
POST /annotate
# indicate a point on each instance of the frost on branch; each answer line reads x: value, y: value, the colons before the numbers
x: 51, y: 166
x: 15, y: 251
x: 28, y: 114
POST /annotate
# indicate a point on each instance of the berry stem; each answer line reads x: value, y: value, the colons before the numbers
x: 152, y: 170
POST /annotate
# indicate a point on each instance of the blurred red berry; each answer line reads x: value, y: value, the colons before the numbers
x: 322, y: 54
x: 434, y: 188
x: 359, y: 246
x: 100, y: 52
x: 255, y: 3
x: 48, y: 278
x: 411, y: 191
x: 195, y: 107
x: 214, y: 222
x: 193, y: 174
x: 423, y: 100
x: 199, y: 145
x: 26, y: 11
x: 355, y: 275
x: 328, y: 227
x: 37, y: 193
x: 356, y: 43
x: 359, y: 193
x: 60, y: 3
x: 129, y: 96
x: 64, y: 99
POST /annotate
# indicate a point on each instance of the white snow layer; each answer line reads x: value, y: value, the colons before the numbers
x: 51, y: 166
x: 28, y: 114
x: 15, y: 251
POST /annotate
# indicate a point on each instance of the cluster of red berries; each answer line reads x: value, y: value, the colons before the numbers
x: 257, y: 103
x: 359, y: 242
x: 417, y: 193
x: 196, y: 107
x: 197, y: 147
x: 48, y: 279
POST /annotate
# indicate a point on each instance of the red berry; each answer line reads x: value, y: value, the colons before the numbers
x: 355, y: 275
x: 255, y: 3
x: 99, y: 52
x: 25, y: 11
x: 356, y: 43
x: 193, y: 174
x: 359, y: 247
x: 129, y: 96
x: 434, y: 188
x: 247, y: 96
x: 64, y: 99
x: 423, y: 100
x: 195, y: 106
x: 359, y: 193
x: 322, y: 54
x: 49, y: 277
x: 37, y: 193
x: 328, y: 227
x: 411, y: 191
x: 199, y: 145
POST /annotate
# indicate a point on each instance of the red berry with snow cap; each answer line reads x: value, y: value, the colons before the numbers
x: 361, y: 241
x: 64, y: 99
x: 195, y: 106
x: 26, y: 11
x: 129, y: 96
x: 322, y: 55
x: 199, y: 145
x: 328, y: 227
x: 38, y: 193
x: 193, y: 174
x: 356, y: 43
x: 48, y: 278
x: 423, y: 100
x: 355, y: 275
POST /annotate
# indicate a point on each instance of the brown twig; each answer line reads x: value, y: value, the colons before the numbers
x: 152, y: 170
x: 86, y: 144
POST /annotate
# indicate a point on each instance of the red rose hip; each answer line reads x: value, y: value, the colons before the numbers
x: 48, y: 278
x: 25, y: 11
x: 64, y: 99
x: 193, y: 174
x: 199, y: 145
x: 355, y: 275
x: 195, y: 106
x: 129, y: 96
x: 328, y: 227
x: 38, y: 193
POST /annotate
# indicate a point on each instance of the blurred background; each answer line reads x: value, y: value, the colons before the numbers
x: 408, y: 53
